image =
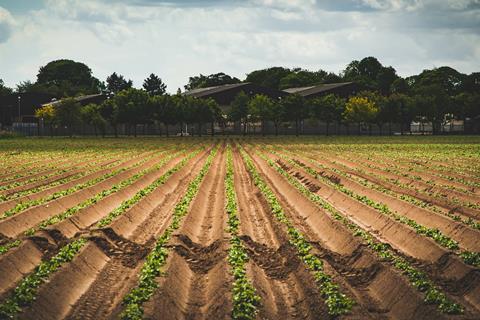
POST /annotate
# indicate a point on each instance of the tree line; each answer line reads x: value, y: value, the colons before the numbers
x: 433, y: 96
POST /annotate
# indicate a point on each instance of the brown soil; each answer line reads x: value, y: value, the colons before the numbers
x: 466, y: 236
x: 351, y: 261
x: 15, y: 225
x: 373, y: 174
x: 197, y: 282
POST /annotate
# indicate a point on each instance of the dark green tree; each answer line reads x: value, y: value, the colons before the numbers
x: 261, y: 107
x: 91, y: 115
x: 133, y: 107
x: 66, y: 78
x: 327, y: 109
x: 239, y: 110
x: 269, y: 77
x: 68, y: 114
x: 4, y: 90
x: 117, y: 83
x: 154, y: 85
x: 109, y: 111
x: 212, y: 80
x: 295, y: 109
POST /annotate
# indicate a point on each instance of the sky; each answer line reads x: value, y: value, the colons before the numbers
x: 178, y: 39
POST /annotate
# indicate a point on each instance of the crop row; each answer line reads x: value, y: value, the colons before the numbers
x: 144, y: 192
x: 57, y: 170
x: 337, y: 303
x: 16, y: 195
x: 157, y: 258
x: 101, y: 195
x: 393, y: 166
x: 405, y: 197
x: 436, y: 194
x: 73, y: 210
x: 245, y: 299
x: 28, y: 204
x: 472, y: 258
x: 25, y: 292
x: 432, y: 294
x: 27, y: 169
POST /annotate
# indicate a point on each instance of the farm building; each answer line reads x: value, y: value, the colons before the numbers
x: 84, y: 100
x: 225, y: 94
x: 344, y: 89
x: 20, y: 107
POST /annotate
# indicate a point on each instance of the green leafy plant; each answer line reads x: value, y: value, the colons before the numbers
x: 157, y: 258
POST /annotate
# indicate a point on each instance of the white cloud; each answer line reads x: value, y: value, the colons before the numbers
x: 7, y: 24
x: 139, y: 37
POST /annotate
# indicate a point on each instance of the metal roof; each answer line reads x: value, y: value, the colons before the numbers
x: 307, y: 91
x: 200, y: 92
x: 78, y: 99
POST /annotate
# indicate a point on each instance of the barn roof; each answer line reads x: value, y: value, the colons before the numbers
x: 78, y: 99
x: 201, y: 92
x: 321, y: 88
x: 225, y: 94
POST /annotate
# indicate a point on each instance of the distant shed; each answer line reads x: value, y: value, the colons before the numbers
x: 225, y: 94
x: 83, y: 100
x: 343, y: 89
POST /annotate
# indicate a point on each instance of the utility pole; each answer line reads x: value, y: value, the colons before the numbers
x: 19, y: 99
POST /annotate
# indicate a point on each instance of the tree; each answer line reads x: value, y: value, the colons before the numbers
x: 47, y: 114
x: 109, y: 111
x: 385, y: 78
x: 212, y: 80
x: 360, y: 110
x: 217, y: 115
x: 202, y: 112
x: 239, y: 110
x: 91, y: 115
x: 67, y: 113
x: 276, y: 114
x: 269, y: 77
x: 380, y: 102
x: 295, y: 109
x: 164, y: 111
x: 302, y: 78
x: 370, y: 74
x: 117, y: 83
x: 328, y: 109
x: 66, y: 78
x: 399, y: 108
x: 400, y: 85
x: 4, y: 90
x: 132, y: 107
x: 261, y: 107
x: 471, y: 83
x: 25, y: 86
x: 154, y: 85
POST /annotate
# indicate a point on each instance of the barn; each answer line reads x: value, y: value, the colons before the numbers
x: 343, y: 89
x: 225, y: 94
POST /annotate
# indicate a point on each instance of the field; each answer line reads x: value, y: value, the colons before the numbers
x: 225, y: 227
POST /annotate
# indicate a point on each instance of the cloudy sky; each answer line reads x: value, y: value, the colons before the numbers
x: 178, y: 39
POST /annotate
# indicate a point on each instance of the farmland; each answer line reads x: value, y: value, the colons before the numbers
x: 244, y: 228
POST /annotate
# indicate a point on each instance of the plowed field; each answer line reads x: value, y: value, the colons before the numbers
x: 224, y: 227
